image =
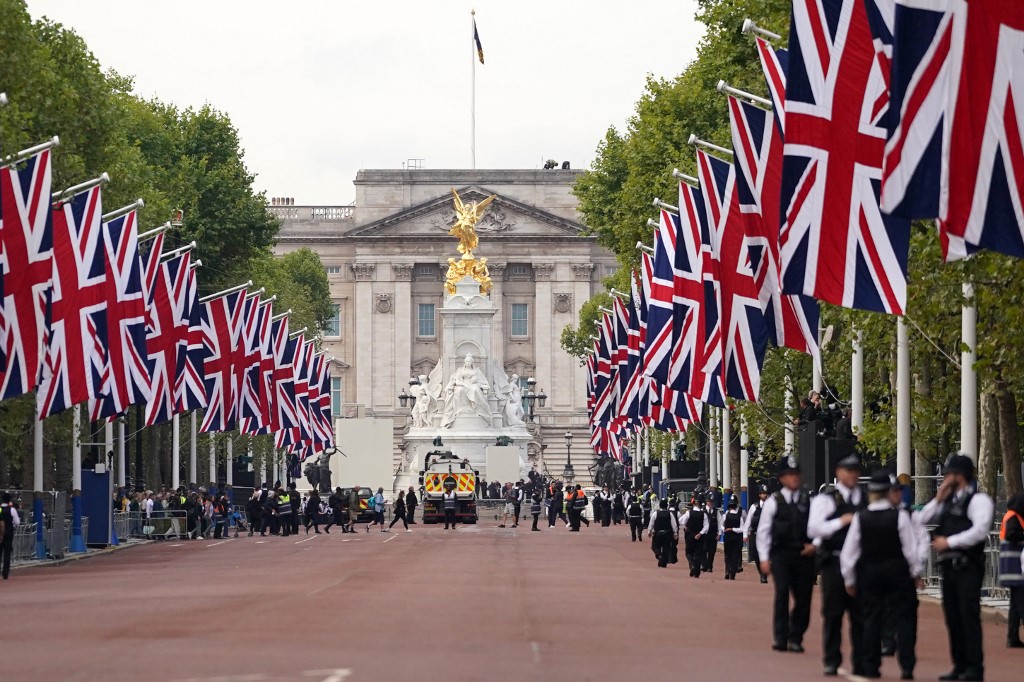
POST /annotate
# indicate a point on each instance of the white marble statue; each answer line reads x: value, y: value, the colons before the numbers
x: 428, y: 398
x: 466, y: 391
x: 510, y: 397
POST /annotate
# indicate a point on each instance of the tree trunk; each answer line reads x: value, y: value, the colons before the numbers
x: 1008, y: 441
x: 988, y: 457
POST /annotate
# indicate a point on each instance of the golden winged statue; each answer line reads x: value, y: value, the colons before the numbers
x: 466, y: 218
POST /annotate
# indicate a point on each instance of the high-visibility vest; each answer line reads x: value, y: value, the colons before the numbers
x: 1006, y: 517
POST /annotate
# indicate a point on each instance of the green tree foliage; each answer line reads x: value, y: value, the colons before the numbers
x: 633, y: 166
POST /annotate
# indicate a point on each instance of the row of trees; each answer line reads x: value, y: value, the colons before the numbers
x: 635, y: 165
x: 187, y: 159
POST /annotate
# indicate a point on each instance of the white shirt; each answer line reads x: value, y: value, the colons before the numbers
x: 749, y: 517
x: 15, y: 519
x: 704, y: 528
x: 851, y: 552
x: 718, y: 515
x: 149, y: 507
x: 979, y: 511
x: 672, y: 518
x: 819, y: 527
x: 764, y: 526
x: 737, y: 529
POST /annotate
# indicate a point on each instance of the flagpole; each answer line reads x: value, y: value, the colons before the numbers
x: 968, y: 375
x: 857, y: 384
x: 121, y: 445
x: 903, y: 445
x: 76, y: 543
x: 744, y: 491
x: 213, y: 460
x: 37, y: 484
x: 726, y: 459
x: 192, y: 448
x: 175, y: 451
x: 472, y: 89
x: 229, y: 478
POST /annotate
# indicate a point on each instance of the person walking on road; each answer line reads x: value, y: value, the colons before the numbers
x: 732, y: 527
x: 378, y: 511
x: 334, y: 511
x: 1011, y: 539
x: 293, y: 494
x: 285, y: 502
x: 963, y: 518
x: 786, y: 552
x: 311, y: 514
x: 750, y: 531
x: 9, y: 520
x: 605, y: 504
x: 664, y: 532
x: 399, y: 512
x: 535, y: 507
x: 450, y: 500
x: 410, y: 504
x: 353, y: 509
x: 635, y: 514
x: 828, y: 523
x: 711, y: 537
x: 879, y: 564
x: 513, y: 502
x: 695, y: 527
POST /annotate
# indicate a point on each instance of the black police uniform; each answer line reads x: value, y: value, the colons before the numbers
x: 732, y: 523
x: 834, y: 599
x: 791, y: 572
x: 710, y: 540
x: 635, y: 515
x: 662, y: 538
x: 753, y: 519
x: 694, y: 546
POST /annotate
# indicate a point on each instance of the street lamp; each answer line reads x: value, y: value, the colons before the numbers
x: 403, y: 398
x: 534, y: 400
x: 567, y: 473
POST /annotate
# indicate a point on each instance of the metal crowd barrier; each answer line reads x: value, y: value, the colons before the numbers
x: 24, y: 542
x: 990, y: 586
x: 162, y: 525
x: 122, y: 525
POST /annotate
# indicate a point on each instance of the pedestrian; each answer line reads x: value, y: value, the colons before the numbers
x: 556, y: 509
x: 963, y: 517
x: 378, y: 510
x: 517, y: 501
x: 635, y: 514
x: 619, y: 507
x: 828, y: 523
x: 695, y: 526
x: 645, y: 502
x: 293, y: 494
x: 268, y: 514
x: 879, y: 564
x: 1011, y: 542
x: 732, y: 528
x: 334, y: 511
x: 450, y: 500
x: 535, y: 507
x: 353, y: 509
x: 311, y: 515
x: 750, y: 530
x: 285, y: 502
x: 252, y: 511
x: 605, y: 498
x: 399, y: 512
x: 512, y: 505
x: 664, y: 532
x: 411, y: 502
x: 9, y: 520
x: 711, y: 537
x: 786, y: 552
x: 577, y: 504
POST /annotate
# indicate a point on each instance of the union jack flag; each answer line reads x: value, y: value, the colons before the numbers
x: 661, y: 303
x: 76, y: 331
x: 190, y: 385
x: 255, y: 409
x: 672, y: 411
x: 289, y: 367
x: 707, y: 382
x: 983, y: 188
x: 792, y: 320
x: 283, y: 416
x: 167, y: 336
x: 318, y: 427
x: 604, y: 387
x: 620, y: 361
x: 836, y: 245
x: 692, y: 259
x: 304, y: 354
x: 633, y: 403
x: 26, y: 258
x: 128, y: 381
x: 326, y: 414
x: 222, y: 335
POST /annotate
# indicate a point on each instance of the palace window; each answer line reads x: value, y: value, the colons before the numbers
x: 333, y: 269
x: 425, y: 320
x: 520, y: 320
x: 336, y: 396
x: 333, y: 326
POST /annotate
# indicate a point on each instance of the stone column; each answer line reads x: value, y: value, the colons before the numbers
x: 498, y: 301
x: 363, y: 320
x: 542, y: 327
x: 583, y: 274
x: 403, y: 323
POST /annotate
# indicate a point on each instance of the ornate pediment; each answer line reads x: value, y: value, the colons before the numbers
x: 504, y: 217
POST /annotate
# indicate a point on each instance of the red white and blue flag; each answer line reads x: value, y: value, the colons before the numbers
x: 128, y: 381
x: 222, y: 321
x: 707, y: 382
x: 76, y: 332
x: 167, y: 336
x: 835, y: 243
x: 283, y: 415
x: 26, y: 259
x: 190, y: 386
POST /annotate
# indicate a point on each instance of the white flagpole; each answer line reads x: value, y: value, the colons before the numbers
x: 192, y: 448
x: 712, y: 448
x: 726, y: 461
x: 175, y: 452
x: 857, y: 382
x: 968, y: 375
x: 229, y: 478
x: 213, y: 461
x: 472, y: 89
x: 744, y: 458
x: 790, y: 433
x: 903, y: 449
x: 121, y: 446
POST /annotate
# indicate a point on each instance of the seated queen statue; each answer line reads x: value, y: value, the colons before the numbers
x: 466, y: 391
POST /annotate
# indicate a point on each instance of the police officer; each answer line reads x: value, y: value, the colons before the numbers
x: 293, y: 493
x: 449, y: 500
x: 830, y: 517
x: 555, y: 510
x: 732, y: 526
x: 635, y: 514
x: 963, y: 517
x: 695, y: 527
x: 578, y: 504
x: 645, y: 502
x: 879, y: 564
x: 8, y: 522
x: 284, y: 512
x: 711, y: 537
x: 786, y: 552
x: 750, y: 531
x: 664, y: 532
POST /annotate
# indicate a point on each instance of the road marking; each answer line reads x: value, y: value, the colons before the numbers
x: 299, y: 542
x: 261, y: 542
x: 391, y: 538
x: 177, y: 545
x: 336, y: 675
x: 218, y: 543
x: 536, y: 652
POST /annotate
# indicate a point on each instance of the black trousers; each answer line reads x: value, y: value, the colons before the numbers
x: 1015, y: 615
x: 552, y: 515
x: 6, y: 551
x: 710, y: 548
x: 574, y: 518
x: 733, y: 553
x: 961, y: 605
x: 835, y: 602
x: 636, y: 528
x: 449, y: 518
x: 295, y: 522
x: 880, y: 595
x: 412, y: 513
x: 694, y: 549
x: 285, y: 521
x: 312, y: 520
x: 400, y: 516
x: 582, y: 519
x: 793, y: 576
x: 606, y: 515
x: 536, y: 518
x: 661, y: 544
x: 647, y: 517
x: 516, y: 508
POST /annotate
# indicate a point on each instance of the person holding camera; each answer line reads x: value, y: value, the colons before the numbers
x: 963, y: 517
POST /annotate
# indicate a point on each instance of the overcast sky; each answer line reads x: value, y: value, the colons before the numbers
x: 321, y: 88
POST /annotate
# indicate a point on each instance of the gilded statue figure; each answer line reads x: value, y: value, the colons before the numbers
x: 467, y: 216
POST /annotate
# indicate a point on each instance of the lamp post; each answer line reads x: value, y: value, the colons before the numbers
x: 567, y: 473
x: 534, y: 400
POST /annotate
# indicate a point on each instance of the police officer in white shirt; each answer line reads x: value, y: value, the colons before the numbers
x: 830, y: 517
x: 695, y: 527
x: 879, y: 562
x: 963, y: 518
x: 787, y: 553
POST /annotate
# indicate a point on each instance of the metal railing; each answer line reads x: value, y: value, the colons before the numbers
x: 990, y: 586
x: 24, y: 542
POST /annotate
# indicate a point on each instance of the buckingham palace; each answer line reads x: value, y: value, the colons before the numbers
x: 386, y: 257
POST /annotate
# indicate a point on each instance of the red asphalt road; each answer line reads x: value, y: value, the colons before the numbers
x: 471, y: 604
